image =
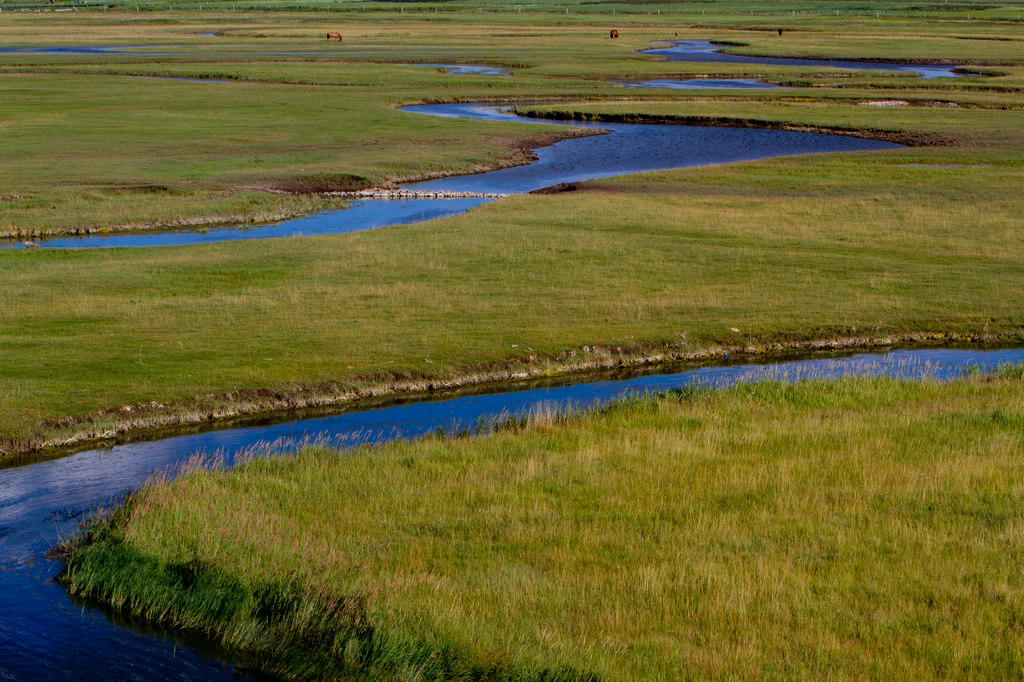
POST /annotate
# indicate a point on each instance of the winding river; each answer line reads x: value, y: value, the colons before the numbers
x: 627, y: 148
x: 43, y: 635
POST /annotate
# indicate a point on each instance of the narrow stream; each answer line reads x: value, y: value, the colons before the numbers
x: 703, y: 51
x: 43, y: 635
x: 702, y: 84
x: 628, y: 148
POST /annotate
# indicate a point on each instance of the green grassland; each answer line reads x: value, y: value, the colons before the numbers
x: 923, y: 240
x: 852, y: 529
x: 784, y: 250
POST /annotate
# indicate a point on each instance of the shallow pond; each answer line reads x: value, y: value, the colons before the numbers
x: 628, y: 148
x: 43, y: 635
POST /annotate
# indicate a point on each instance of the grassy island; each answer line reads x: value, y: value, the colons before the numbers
x: 856, y: 529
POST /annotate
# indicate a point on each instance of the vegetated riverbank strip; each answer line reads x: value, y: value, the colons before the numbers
x: 895, y: 136
x: 726, y: 44
x: 114, y: 424
x: 383, y: 193
x: 857, y: 519
x: 180, y: 224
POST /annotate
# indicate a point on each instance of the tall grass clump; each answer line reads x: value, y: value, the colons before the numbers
x: 856, y: 528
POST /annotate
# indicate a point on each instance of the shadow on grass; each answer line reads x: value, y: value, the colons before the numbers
x: 280, y: 629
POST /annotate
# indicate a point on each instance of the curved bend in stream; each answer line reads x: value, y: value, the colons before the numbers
x: 628, y: 148
x: 43, y: 635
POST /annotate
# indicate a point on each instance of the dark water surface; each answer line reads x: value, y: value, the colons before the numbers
x: 631, y: 148
x: 628, y: 148
x: 43, y: 635
x: 365, y: 214
x: 703, y: 84
x: 703, y: 51
x: 471, y: 69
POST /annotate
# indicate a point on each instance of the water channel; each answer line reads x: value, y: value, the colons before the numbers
x: 628, y: 148
x: 702, y: 84
x: 704, y: 51
x: 43, y: 635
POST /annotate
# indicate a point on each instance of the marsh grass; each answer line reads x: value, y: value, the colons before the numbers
x: 858, y: 528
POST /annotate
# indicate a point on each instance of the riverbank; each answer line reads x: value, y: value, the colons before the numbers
x: 709, y: 533
x: 552, y: 112
x: 133, y: 421
x: 253, y: 215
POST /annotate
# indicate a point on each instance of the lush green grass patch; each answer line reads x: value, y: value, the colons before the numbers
x: 854, y: 528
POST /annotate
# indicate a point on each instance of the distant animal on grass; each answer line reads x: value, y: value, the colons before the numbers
x: 613, y: 34
x: 334, y: 36
x: 780, y: 32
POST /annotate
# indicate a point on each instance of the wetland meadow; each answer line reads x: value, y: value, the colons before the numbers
x: 851, y: 524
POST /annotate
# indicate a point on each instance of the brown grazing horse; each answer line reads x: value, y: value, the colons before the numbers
x: 334, y: 36
x: 613, y: 34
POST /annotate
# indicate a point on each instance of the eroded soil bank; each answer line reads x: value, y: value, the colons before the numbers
x: 117, y: 424
x: 900, y: 137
